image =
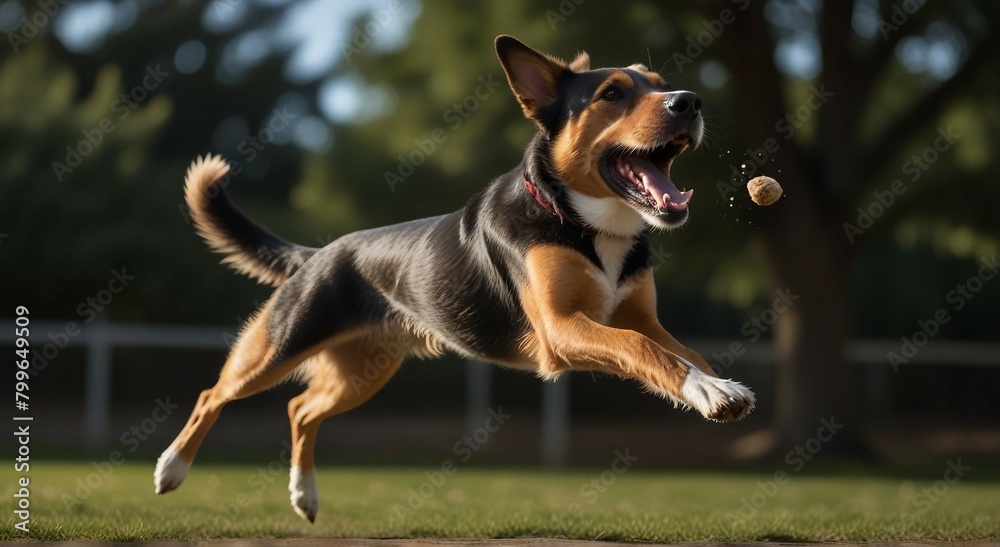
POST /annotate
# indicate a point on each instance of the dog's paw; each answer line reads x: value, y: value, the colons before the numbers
x: 305, y: 494
x: 717, y: 399
x: 171, y: 469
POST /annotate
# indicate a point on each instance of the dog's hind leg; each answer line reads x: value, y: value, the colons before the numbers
x: 256, y: 363
x: 343, y: 376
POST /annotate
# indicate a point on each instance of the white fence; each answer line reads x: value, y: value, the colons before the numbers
x: 100, y: 338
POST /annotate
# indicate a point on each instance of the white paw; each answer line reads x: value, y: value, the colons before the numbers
x: 305, y: 495
x: 171, y: 469
x: 717, y: 399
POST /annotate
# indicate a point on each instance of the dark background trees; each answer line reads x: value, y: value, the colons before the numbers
x: 843, y: 99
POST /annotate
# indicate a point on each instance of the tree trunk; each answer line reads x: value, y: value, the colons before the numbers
x: 811, y: 258
x: 806, y: 248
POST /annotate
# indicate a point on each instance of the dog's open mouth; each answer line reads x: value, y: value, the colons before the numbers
x: 643, y: 178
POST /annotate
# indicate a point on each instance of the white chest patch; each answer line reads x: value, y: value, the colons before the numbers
x: 608, y: 215
x: 612, y: 252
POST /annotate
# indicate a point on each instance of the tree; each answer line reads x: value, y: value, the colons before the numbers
x: 807, y: 243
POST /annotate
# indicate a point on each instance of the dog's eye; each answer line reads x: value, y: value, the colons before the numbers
x: 612, y: 94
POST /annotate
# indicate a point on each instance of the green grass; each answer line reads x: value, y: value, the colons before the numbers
x: 247, y: 501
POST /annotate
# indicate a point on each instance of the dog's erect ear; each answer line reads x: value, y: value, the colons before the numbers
x: 533, y: 76
x: 581, y: 63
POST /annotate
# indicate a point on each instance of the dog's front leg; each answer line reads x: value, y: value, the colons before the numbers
x: 562, y: 300
x: 721, y: 400
x: 638, y: 312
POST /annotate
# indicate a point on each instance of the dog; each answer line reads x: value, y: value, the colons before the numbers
x: 548, y: 269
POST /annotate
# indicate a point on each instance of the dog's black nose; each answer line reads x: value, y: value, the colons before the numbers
x: 683, y: 102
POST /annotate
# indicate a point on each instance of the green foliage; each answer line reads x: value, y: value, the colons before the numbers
x: 69, y: 224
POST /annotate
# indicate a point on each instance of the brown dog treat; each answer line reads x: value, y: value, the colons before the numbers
x: 764, y: 190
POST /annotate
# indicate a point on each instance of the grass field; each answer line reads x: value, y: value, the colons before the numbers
x: 248, y: 501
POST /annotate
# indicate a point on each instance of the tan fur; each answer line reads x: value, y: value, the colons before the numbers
x: 653, y: 77
x: 248, y: 370
x: 423, y: 343
x: 563, y: 304
x: 638, y: 312
x: 198, y: 187
x: 524, y: 60
x: 581, y: 63
x: 342, y: 376
x: 249, y: 353
x: 602, y: 125
x: 545, y: 66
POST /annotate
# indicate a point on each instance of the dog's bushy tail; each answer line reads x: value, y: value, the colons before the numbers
x: 249, y: 248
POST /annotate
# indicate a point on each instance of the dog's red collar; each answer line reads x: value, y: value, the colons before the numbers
x: 533, y: 190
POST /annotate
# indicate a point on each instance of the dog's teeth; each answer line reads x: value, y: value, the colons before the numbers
x: 645, y: 187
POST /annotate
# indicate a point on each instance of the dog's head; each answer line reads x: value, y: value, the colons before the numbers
x: 612, y: 133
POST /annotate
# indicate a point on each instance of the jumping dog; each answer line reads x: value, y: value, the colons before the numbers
x: 548, y: 269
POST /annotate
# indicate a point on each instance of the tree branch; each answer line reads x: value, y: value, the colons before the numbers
x: 835, y: 32
x: 760, y: 102
x: 927, y: 199
x: 838, y: 117
x: 881, y: 53
x: 930, y: 107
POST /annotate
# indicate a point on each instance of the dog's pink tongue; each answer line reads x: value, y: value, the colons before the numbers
x: 658, y: 184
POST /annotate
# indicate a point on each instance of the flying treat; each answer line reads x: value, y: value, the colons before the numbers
x: 764, y: 190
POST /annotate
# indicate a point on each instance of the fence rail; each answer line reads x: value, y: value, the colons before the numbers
x: 100, y: 338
